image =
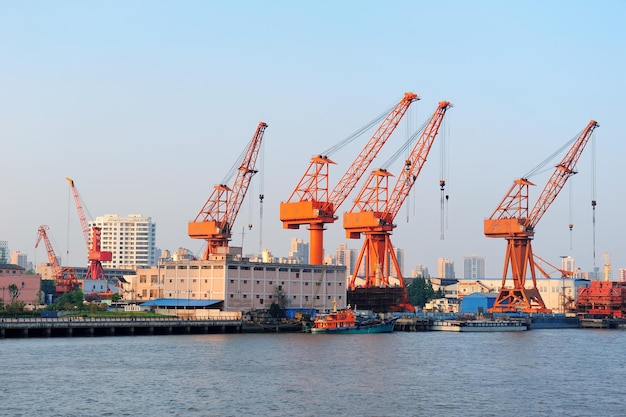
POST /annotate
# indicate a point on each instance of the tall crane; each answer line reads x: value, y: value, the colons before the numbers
x: 513, y: 221
x: 215, y: 220
x: 313, y: 205
x: 95, y: 255
x: 64, y: 277
x: 375, y: 209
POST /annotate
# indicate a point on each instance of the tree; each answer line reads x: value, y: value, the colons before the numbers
x: 421, y: 291
x: 14, y: 292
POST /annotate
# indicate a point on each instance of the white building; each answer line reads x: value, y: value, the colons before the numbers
x: 131, y: 240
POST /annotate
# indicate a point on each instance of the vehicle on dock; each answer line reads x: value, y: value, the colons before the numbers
x: 347, y: 322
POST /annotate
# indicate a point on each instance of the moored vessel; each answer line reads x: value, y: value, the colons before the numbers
x: 347, y: 322
x: 479, y: 326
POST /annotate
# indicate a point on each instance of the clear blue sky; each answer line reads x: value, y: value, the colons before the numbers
x: 147, y: 104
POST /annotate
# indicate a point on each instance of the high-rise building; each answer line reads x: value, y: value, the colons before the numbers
x: 299, y: 250
x: 473, y: 267
x: 400, y: 257
x: 445, y: 268
x: 420, y: 271
x: 131, y: 239
x: 346, y: 257
x: 4, y: 252
x: 568, y: 264
x: 21, y: 259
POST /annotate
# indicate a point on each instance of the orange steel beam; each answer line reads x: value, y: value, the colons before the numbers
x: 312, y: 204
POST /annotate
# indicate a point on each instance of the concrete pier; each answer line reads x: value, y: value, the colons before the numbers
x: 113, y: 326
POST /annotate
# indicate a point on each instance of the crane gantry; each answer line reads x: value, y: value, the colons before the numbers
x: 95, y: 255
x: 215, y: 220
x: 65, y: 279
x: 513, y: 221
x: 375, y: 209
x: 312, y: 204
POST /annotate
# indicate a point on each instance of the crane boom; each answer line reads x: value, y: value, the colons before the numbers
x: 562, y: 172
x: 215, y: 220
x: 312, y: 204
x: 81, y: 212
x: 513, y: 221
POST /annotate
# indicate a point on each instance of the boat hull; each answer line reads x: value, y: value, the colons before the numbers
x: 374, y: 328
x: 478, y: 326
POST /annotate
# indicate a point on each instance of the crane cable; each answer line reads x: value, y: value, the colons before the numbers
x: 443, y: 162
x: 261, y: 195
x: 593, y: 194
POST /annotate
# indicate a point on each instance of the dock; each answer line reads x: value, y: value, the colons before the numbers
x: 114, y: 326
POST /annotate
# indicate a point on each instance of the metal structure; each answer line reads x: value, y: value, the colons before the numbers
x: 215, y: 220
x: 375, y: 209
x: 513, y: 221
x: 95, y: 255
x: 312, y: 204
x: 65, y: 279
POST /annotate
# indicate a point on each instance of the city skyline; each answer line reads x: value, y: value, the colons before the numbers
x: 147, y: 108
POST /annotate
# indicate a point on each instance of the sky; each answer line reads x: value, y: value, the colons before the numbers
x: 147, y: 105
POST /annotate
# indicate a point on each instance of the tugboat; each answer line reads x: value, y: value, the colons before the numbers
x: 347, y: 322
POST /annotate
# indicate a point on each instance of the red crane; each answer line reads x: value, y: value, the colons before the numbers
x: 512, y: 221
x: 375, y: 209
x: 215, y: 220
x: 64, y: 277
x: 312, y: 204
x: 95, y: 255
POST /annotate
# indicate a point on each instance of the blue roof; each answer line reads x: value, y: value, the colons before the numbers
x: 482, y: 295
x: 179, y: 302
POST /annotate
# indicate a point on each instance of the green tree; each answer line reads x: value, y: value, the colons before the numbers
x: 421, y: 291
x: 14, y: 292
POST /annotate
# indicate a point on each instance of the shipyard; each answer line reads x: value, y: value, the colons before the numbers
x: 321, y: 292
x: 312, y: 209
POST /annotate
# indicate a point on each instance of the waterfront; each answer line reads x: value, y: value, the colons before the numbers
x: 564, y: 372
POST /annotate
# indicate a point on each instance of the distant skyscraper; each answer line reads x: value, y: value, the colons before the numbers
x: 131, y: 240
x: 568, y: 264
x: 299, y: 250
x: 445, y: 268
x: 473, y: 267
x: 420, y: 271
x: 4, y: 252
x: 346, y: 257
x: 20, y: 258
x: 400, y: 256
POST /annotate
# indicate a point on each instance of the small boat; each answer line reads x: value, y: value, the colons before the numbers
x: 346, y: 322
x: 479, y: 326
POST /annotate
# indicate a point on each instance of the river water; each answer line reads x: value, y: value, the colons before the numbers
x: 564, y: 372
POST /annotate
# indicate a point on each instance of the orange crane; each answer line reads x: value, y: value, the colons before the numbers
x: 215, y: 220
x: 95, y: 255
x: 64, y: 277
x: 513, y: 221
x: 375, y: 209
x: 313, y: 205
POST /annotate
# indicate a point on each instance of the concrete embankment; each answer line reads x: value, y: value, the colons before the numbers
x: 118, y: 326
